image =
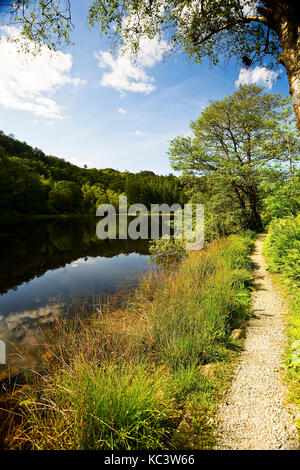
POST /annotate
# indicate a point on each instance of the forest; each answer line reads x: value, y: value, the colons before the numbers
x: 34, y: 183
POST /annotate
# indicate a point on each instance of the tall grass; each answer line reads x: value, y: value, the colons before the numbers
x: 127, y: 376
x: 112, y: 406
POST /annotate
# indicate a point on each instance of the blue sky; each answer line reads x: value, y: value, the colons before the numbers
x: 110, y: 115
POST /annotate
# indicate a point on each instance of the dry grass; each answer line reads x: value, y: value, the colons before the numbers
x: 125, y: 377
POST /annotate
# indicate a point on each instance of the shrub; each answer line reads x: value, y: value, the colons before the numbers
x: 282, y: 246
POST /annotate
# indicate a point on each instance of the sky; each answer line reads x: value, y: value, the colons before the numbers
x: 101, y: 110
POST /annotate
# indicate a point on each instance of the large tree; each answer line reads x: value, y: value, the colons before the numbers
x: 253, y: 30
x: 231, y: 145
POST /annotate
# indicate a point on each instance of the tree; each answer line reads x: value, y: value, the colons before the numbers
x: 277, y: 200
x: 285, y: 144
x: 252, y: 30
x: 89, y: 199
x: 229, y: 145
x: 223, y: 214
x: 43, y: 21
x: 74, y: 189
x: 66, y: 196
x: 21, y: 189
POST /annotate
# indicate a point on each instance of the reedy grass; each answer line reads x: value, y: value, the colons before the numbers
x: 125, y: 377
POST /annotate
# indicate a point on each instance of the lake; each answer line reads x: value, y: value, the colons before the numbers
x: 49, y: 265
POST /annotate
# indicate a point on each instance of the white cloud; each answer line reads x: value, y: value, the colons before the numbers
x: 259, y: 75
x: 122, y: 111
x: 139, y: 133
x: 127, y: 72
x: 27, y: 80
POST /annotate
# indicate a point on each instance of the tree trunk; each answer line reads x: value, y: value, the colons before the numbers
x: 290, y: 58
x: 255, y: 221
x: 241, y: 203
x: 286, y: 23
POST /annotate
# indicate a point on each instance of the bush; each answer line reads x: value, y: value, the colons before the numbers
x: 167, y: 251
x: 282, y: 246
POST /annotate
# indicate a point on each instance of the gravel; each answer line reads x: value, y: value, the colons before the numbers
x: 255, y: 413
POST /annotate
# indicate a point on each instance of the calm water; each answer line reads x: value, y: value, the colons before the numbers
x: 46, y: 264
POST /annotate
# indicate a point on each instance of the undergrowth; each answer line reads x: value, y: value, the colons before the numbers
x: 282, y: 249
x: 133, y: 377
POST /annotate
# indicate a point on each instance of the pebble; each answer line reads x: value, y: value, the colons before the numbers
x: 255, y: 413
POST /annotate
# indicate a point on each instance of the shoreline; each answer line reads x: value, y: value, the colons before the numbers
x: 149, y: 370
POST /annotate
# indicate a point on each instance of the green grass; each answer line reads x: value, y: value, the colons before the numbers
x: 114, y: 406
x: 132, y: 377
x: 282, y: 249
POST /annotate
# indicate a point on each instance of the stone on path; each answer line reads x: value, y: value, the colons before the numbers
x: 255, y: 413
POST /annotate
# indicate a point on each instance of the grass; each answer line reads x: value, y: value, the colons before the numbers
x: 132, y: 376
x: 114, y: 406
x: 282, y: 250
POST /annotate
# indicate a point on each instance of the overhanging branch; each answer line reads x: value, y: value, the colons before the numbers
x: 231, y: 24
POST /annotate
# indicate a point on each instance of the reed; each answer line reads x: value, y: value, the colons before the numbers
x: 127, y: 376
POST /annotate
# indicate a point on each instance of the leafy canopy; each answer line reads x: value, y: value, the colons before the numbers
x: 229, y: 135
x: 202, y: 28
x: 236, y: 144
x: 241, y: 28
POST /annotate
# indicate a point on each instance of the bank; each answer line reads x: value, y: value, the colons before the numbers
x: 147, y: 372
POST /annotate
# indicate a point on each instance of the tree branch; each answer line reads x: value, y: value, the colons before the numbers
x: 246, y: 20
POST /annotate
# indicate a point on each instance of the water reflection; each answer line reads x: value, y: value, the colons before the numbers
x: 46, y: 263
x: 30, y: 248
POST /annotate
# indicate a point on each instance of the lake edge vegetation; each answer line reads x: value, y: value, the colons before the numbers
x: 147, y: 374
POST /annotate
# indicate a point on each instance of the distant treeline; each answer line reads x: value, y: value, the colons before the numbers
x: 30, y: 248
x: 34, y: 183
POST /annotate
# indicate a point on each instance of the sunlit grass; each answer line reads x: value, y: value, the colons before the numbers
x: 125, y: 377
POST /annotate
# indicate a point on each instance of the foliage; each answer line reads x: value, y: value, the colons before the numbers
x: 22, y: 191
x: 231, y: 146
x: 65, y: 197
x: 281, y: 198
x: 35, y: 183
x: 42, y: 22
x: 222, y: 214
x: 284, y: 145
x: 263, y: 32
x: 283, y: 248
x: 167, y: 251
x: 210, y: 28
x: 123, y: 379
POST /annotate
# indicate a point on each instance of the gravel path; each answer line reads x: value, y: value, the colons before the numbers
x: 255, y: 413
